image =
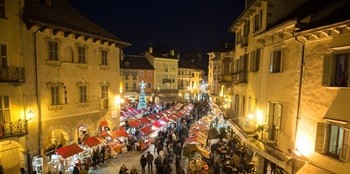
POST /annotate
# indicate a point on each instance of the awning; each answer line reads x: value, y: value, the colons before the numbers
x: 339, y: 109
x: 189, y: 149
x: 119, y: 133
x: 134, y: 123
x: 147, y: 130
x: 309, y: 169
x: 145, y: 120
x: 158, y: 124
x: 92, y: 141
x: 104, y: 123
x: 237, y: 131
x: 271, y: 154
x: 104, y: 134
x: 69, y: 150
x: 172, y: 117
x: 154, y: 117
x: 195, y: 140
x: 165, y: 119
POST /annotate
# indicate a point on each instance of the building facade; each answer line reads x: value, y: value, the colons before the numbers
x: 72, y: 78
x: 190, y: 79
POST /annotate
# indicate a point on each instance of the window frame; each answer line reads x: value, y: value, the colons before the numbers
x: 273, y: 119
x: 55, y: 92
x: 82, y: 54
x: 4, y: 58
x: 272, y: 67
x: 104, y: 57
x: 83, y: 94
x: 5, y: 112
x: 255, y: 60
x: 330, y: 69
x: 3, y: 6
x: 53, y: 54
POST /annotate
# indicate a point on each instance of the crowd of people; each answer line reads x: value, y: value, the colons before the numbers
x: 169, y: 142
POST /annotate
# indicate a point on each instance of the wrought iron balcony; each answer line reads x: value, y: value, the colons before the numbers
x: 12, y: 74
x: 226, y: 79
x: 13, y: 129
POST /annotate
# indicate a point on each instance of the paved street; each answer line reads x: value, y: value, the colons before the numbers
x: 130, y: 159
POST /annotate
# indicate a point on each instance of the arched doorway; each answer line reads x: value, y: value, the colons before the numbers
x: 55, y: 139
x: 11, y: 156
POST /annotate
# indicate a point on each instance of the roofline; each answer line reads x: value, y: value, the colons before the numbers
x: 231, y: 28
x: 299, y: 33
x: 284, y: 24
x: 122, y: 43
x: 138, y: 68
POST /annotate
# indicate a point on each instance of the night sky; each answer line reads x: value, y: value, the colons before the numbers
x: 184, y: 25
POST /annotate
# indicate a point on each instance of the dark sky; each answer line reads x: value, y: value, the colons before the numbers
x: 185, y: 25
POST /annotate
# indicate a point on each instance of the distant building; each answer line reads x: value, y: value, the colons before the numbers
x: 136, y: 69
x: 190, y: 79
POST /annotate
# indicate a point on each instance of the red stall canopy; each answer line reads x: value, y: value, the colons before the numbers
x: 173, y: 117
x: 119, y: 133
x: 154, y: 117
x: 92, y: 141
x: 145, y: 120
x: 165, y: 119
x: 69, y: 150
x: 147, y: 130
x: 134, y: 123
x: 104, y: 134
x: 158, y: 124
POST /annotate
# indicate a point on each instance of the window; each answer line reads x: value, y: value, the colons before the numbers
x: 332, y: 140
x: 255, y: 60
x: 2, y: 9
x: 126, y: 86
x: 336, y: 70
x: 5, y: 108
x: 55, y: 95
x: 3, y: 54
x: 104, y: 60
x: 81, y: 54
x: 149, y: 73
x: 104, y: 96
x: 276, y: 61
x: 83, y: 94
x: 141, y: 73
x: 173, y: 67
x: 53, y: 50
x: 192, y: 74
x: 149, y: 85
x: 257, y: 21
x: 236, y: 105
x: 246, y: 28
x: 134, y: 86
x: 273, y: 119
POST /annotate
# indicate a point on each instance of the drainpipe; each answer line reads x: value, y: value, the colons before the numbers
x: 38, y: 101
x: 302, y: 63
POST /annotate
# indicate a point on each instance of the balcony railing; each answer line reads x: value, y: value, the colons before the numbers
x: 12, y: 74
x: 13, y: 129
x: 168, y: 80
x: 240, y: 77
x: 167, y: 90
x: 184, y: 87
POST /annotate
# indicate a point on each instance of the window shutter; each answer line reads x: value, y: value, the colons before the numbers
x: 320, y: 137
x: 257, y: 61
x: 281, y: 60
x: 271, y: 61
x: 267, y: 113
x: 327, y: 70
x: 277, y: 116
x: 344, y: 151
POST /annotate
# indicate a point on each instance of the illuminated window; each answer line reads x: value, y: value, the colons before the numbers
x: 81, y: 54
x: 2, y: 9
x: 53, y: 50
x: 336, y: 70
x: 333, y: 140
x: 104, y: 58
x: 104, y: 97
x: 276, y: 61
x: 126, y: 86
x: 58, y: 93
x: 5, y: 108
x: 3, y: 55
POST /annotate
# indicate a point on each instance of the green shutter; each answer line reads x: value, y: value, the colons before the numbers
x: 277, y: 115
x: 328, y: 70
x: 344, y: 151
x: 320, y: 137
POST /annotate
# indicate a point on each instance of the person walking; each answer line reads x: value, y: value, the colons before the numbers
x: 123, y: 169
x: 150, y: 158
x: 143, y: 162
x: 158, y: 163
x: 133, y: 170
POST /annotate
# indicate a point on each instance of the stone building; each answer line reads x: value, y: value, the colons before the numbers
x: 190, y: 79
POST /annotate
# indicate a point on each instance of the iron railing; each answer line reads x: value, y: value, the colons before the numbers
x: 13, y: 129
x: 12, y: 74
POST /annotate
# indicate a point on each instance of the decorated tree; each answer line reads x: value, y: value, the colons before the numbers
x: 142, y: 97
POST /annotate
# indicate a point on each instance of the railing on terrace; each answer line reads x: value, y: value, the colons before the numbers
x: 13, y: 129
x: 12, y: 74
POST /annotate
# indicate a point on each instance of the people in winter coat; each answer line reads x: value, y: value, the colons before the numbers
x: 143, y: 163
x: 123, y: 169
x: 133, y: 170
x: 158, y: 163
x: 150, y: 158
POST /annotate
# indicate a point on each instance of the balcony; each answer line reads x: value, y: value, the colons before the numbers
x: 166, y: 91
x: 184, y: 87
x: 14, y: 129
x: 240, y: 77
x: 12, y: 74
x: 183, y: 76
x: 226, y: 79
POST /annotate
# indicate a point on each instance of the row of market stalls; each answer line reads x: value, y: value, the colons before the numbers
x: 108, y: 144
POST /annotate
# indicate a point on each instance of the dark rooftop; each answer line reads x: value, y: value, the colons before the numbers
x: 135, y: 62
x: 62, y: 15
x: 187, y: 64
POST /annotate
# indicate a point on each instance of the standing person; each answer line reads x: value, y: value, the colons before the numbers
x: 103, y: 149
x: 23, y: 171
x: 158, y: 163
x: 1, y: 170
x: 150, y: 158
x: 143, y: 162
x: 76, y: 170
x: 123, y: 169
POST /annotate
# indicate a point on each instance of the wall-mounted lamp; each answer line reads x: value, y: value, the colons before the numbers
x: 30, y: 115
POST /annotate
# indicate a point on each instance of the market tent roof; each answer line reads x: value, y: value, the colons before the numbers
x: 309, y: 168
x: 190, y: 149
x: 134, y: 123
x: 147, y: 130
x: 104, y: 134
x: 69, y: 150
x: 195, y: 140
x: 165, y: 119
x: 119, y: 133
x: 158, y: 124
x: 92, y: 141
x: 154, y: 117
x: 145, y: 120
x: 172, y: 117
x: 104, y: 123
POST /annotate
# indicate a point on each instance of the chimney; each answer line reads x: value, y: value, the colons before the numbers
x: 172, y: 52
x: 150, y: 49
x: 178, y: 55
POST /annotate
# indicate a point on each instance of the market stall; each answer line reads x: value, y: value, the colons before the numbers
x: 66, y: 158
x: 119, y: 141
x: 146, y: 138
